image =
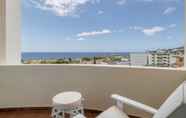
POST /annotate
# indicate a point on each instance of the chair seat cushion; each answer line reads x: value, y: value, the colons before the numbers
x: 113, y: 112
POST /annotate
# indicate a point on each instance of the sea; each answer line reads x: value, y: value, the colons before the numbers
x: 62, y: 55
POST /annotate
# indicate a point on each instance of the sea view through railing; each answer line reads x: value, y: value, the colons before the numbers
x: 160, y: 58
x: 73, y: 55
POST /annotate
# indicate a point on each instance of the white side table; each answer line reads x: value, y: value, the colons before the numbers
x: 67, y: 103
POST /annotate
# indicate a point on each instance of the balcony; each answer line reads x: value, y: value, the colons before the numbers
x: 25, y: 86
x: 33, y: 86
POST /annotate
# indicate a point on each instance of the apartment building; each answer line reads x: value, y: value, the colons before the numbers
x: 165, y: 57
x: 138, y: 59
x: 159, y: 58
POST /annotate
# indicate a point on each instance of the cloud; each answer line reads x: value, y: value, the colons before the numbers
x: 149, y: 31
x: 121, y: 2
x: 81, y: 39
x: 169, y: 10
x: 61, y: 7
x: 172, y: 25
x: 152, y: 31
x: 136, y: 28
x: 100, y: 12
x: 94, y: 33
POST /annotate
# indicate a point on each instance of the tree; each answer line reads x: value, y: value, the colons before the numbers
x: 94, y: 60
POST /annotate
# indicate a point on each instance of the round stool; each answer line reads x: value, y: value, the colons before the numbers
x: 67, y: 103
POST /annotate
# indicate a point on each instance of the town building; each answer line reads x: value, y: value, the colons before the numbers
x: 165, y: 57
x: 138, y: 59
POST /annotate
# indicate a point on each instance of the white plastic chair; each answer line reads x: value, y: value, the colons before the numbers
x: 173, y: 107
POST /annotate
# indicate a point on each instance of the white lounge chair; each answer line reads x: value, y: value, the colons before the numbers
x: 173, y: 107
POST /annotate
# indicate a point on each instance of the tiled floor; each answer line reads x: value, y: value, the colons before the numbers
x: 37, y: 113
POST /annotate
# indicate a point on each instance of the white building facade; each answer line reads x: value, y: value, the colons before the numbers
x: 138, y: 59
x: 165, y: 58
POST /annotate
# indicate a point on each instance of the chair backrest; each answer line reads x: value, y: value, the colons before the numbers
x: 174, y: 106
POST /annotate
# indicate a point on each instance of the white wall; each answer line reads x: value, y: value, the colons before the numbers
x: 34, y: 86
x: 10, y: 31
x: 172, y: 59
x: 2, y: 33
x: 13, y: 31
x: 138, y: 59
x: 185, y: 34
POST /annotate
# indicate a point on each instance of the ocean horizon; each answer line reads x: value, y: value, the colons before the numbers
x: 62, y: 55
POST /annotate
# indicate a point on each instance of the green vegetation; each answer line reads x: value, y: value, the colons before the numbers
x: 116, y: 58
x: 83, y: 60
x: 86, y: 59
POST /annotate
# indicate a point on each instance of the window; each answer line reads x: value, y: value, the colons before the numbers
x: 114, y: 32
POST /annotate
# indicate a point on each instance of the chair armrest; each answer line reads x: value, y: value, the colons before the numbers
x: 120, y: 99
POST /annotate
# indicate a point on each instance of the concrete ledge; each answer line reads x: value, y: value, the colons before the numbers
x: 93, y: 65
x: 35, y: 85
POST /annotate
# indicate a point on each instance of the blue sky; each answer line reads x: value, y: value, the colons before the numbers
x: 101, y: 25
